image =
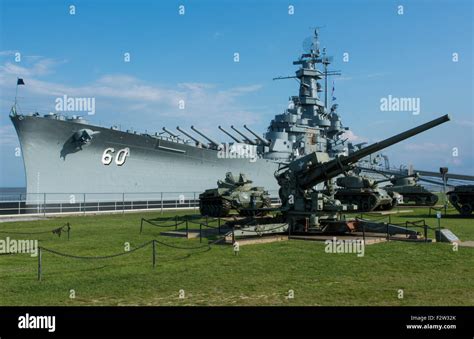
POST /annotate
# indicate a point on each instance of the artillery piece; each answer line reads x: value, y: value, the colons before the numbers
x: 233, y: 193
x: 306, y: 208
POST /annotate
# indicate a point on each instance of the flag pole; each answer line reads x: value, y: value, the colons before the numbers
x: 16, y: 91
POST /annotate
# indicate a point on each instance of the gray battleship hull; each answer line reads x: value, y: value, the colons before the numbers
x: 55, y: 165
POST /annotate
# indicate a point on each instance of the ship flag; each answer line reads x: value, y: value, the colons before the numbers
x: 19, y: 81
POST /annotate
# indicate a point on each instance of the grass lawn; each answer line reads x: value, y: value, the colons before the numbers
x: 428, y: 274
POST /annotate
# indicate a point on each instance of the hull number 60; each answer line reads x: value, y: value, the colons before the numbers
x: 120, y: 157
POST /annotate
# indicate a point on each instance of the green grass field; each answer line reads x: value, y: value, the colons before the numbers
x: 263, y: 274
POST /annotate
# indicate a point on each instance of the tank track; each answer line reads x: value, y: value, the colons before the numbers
x: 214, y: 207
x: 366, y: 202
x: 420, y: 199
x: 464, y: 203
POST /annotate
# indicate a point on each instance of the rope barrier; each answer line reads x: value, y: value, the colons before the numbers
x: 57, y: 231
x: 95, y: 257
x: 152, y: 242
x: 161, y: 224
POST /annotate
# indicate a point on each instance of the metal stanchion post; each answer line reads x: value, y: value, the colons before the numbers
x: 363, y: 231
x: 39, y: 264
x: 439, y: 230
x: 154, y: 253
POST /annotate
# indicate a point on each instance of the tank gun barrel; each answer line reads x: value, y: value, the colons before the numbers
x: 243, y: 135
x: 215, y: 143
x: 393, y: 178
x: 230, y: 135
x: 191, y: 137
x: 263, y: 141
x: 317, y: 173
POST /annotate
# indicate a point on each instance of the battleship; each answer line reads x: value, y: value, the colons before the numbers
x: 68, y: 155
x: 64, y: 155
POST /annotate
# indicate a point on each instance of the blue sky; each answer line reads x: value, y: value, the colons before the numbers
x: 191, y: 57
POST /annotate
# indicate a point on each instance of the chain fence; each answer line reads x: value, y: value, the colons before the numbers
x: 58, y: 231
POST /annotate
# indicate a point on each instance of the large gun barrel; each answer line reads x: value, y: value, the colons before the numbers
x: 191, y: 137
x: 170, y: 133
x: 230, y: 135
x: 250, y: 141
x: 263, y: 141
x: 318, y: 173
x: 215, y: 143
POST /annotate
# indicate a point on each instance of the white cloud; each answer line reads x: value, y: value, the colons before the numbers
x: 205, y: 104
x: 426, y: 147
x: 352, y: 137
x: 7, y: 53
x: 40, y: 67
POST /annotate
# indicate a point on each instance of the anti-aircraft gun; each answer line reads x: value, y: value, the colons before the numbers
x: 306, y: 208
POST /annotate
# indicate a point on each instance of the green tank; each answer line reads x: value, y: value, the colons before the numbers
x: 462, y: 198
x: 364, y: 192
x: 233, y: 193
x: 411, y: 191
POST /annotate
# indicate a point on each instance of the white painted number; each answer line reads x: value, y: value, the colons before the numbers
x: 122, y: 155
